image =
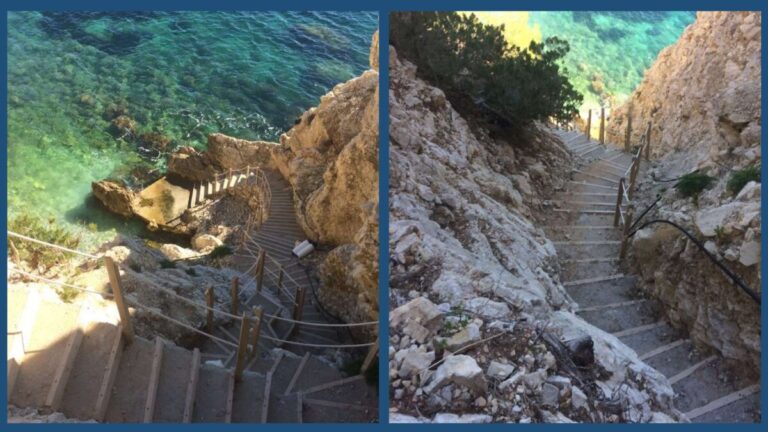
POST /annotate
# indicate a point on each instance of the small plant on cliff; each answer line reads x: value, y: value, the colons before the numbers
x: 167, y: 264
x: 692, y: 184
x: 45, y: 230
x: 740, y: 178
x: 481, y: 73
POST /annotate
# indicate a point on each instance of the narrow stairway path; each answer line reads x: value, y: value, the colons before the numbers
x: 588, y: 244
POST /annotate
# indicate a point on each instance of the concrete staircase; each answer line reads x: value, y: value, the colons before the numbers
x: 62, y: 357
x: 581, y: 226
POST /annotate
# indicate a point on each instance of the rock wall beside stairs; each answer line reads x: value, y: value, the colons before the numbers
x: 468, y: 262
x: 330, y: 158
x: 703, y: 96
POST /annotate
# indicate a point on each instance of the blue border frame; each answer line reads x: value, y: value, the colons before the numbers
x: 383, y: 7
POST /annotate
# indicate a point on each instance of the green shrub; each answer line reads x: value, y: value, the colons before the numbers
x: 480, y: 73
x: 166, y: 264
x: 740, y: 178
x: 692, y: 184
x: 220, y: 252
x: 45, y: 230
x: 354, y: 367
x: 190, y: 271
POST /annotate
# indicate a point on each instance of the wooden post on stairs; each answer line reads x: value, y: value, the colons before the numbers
x: 234, y: 295
x: 258, y: 316
x: 619, y: 198
x: 260, y: 270
x: 370, y: 357
x: 624, y: 238
x: 589, y: 125
x: 229, y: 181
x: 298, y: 309
x: 602, y: 125
x: 247, y: 171
x: 242, y: 347
x: 209, y: 301
x: 280, y: 280
x: 117, y: 291
x: 648, y: 142
x: 629, y: 130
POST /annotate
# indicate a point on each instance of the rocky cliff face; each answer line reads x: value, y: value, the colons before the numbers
x: 330, y: 157
x: 702, y: 96
x: 470, y: 270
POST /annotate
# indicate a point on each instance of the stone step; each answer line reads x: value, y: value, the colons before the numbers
x: 708, y: 383
x: 573, y: 218
x: 283, y: 408
x: 51, y: 332
x: 213, y: 395
x: 249, y: 403
x: 349, y: 400
x: 587, y: 185
x: 676, y: 361
x: 650, y: 337
x: 623, y: 316
x: 87, y: 375
x: 595, y: 179
x: 592, y: 249
x: 313, y: 374
x: 23, y: 308
x: 129, y: 392
x: 172, y: 388
x: 585, y: 269
x: 582, y: 232
x: 603, y: 293
x: 742, y: 406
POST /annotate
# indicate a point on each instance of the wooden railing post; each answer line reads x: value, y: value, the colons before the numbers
x: 298, y: 310
x: 260, y: 270
x: 280, y: 281
x: 602, y: 125
x: 117, y: 291
x: 229, y: 181
x: 648, y: 142
x: 624, y: 238
x: 633, y: 175
x: 370, y: 357
x: 629, y: 131
x: 242, y: 347
x: 209, y: 301
x: 258, y: 315
x: 619, y: 199
x: 234, y: 295
x: 247, y: 171
x: 589, y: 124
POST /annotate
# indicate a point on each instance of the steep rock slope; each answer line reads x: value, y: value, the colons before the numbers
x: 702, y: 96
x: 468, y: 263
x: 330, y: 157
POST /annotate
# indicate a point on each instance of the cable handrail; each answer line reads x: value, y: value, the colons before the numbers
x: 51, y: 245
x: 749, y: 291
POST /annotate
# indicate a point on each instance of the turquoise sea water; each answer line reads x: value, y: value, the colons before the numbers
x: 181, y: 75
x: 610, y: 51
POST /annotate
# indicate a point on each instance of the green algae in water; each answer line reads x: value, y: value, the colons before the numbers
x: 180, y: 74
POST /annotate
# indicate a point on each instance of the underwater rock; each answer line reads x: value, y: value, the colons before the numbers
x: 122, y: 126
x: 116, y: 197
x: 155, y: 141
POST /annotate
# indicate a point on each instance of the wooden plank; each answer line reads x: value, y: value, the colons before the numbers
x: 234, y: 294
x: 588, y: 132
x: 67, y: 361
x: 372, y: 353
x: 242, y: 347
x: 685, y: 373
x: 117, y: 291
x: 209, y: 301
x: 602, y: 125
x: 593, y: 280
x: 258, y: 318
x: 619, y: 200
x: 260, y: 270
x: 194, y: 375
x: 154, y: 380
x: 110, y: 371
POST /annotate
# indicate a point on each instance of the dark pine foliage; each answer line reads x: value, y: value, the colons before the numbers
x: 481, y: 74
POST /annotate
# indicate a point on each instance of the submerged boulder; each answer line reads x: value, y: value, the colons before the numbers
x: 116, y: 197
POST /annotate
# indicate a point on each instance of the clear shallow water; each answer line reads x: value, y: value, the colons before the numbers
x: 610, y: 51
x: 183, y: 75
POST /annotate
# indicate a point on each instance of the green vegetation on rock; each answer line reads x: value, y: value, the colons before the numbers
x: 740, y: 178
x: 45, y: 230
x: 692, y: 184
x: 481, y: 73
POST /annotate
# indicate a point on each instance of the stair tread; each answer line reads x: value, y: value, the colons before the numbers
x: 248, y: 399
x: 129, y: 392
x: 706, y: 384
x: 172, y: 388
x: 211, y: 397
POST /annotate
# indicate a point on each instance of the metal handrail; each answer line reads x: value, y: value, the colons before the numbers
x: 754, y: 295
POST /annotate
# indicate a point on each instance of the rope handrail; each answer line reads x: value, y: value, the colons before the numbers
x: 63, y: 284
x: 749, y: 291
x: 312, y: 345
x: 51, y: 245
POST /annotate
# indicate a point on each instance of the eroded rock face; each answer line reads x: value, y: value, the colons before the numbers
x: 223, y: 153
x: 330, y: 158
x: 116, y: 197
x: 703, y: 96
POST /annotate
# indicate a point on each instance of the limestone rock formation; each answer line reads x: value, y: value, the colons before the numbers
x: 223, y: 153
x: 702, y: 96
x: 470, y: 269
x: 330, y: 158
x: 115, y: 196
